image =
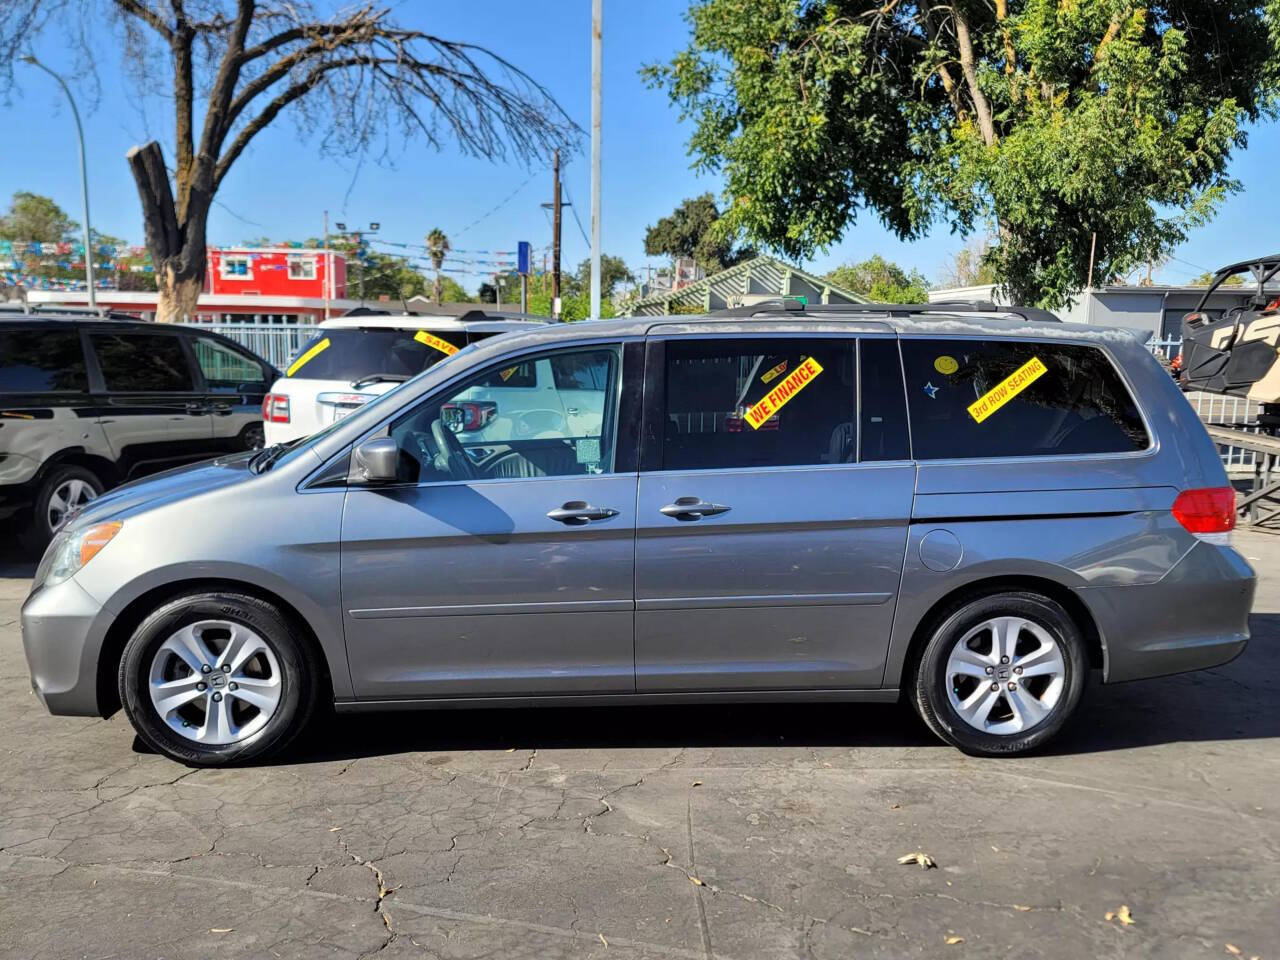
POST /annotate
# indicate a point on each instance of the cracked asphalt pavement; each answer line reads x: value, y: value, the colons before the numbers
x: 725, y: 831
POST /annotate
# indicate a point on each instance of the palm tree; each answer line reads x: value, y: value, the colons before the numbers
x: 437, y: 248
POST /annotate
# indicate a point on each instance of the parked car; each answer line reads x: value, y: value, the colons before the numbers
x: 351, y: 360
x: 969, y: 514
x: 87, y: 403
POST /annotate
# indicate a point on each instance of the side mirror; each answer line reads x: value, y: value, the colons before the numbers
x: 376, y: 460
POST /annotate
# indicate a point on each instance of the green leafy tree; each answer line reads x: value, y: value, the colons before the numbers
x: 437, y: 249
x: 970, y: 266
x: 613, y: 271
x: 1207, y: 278
x: 882, y: 281
x: 696, y: 229
x: 1055, y: 121
x: 35, y: 217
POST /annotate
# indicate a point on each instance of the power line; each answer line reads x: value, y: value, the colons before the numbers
x: 500, y: 205
x: 573, y: 208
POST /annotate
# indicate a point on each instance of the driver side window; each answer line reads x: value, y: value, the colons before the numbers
x: 551, y: 415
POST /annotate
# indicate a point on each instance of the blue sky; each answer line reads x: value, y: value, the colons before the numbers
x: 282, y: 185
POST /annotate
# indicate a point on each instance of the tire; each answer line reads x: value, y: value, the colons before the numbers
x: 253, y: 437
x: 236, y: 730
x: 60, y: 481
x: 1023, y: 711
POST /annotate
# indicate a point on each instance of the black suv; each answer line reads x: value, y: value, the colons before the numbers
x: 87, y: 403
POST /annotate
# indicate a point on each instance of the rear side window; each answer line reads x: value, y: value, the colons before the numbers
x: 1000, y: 398
x: 41, y: 361
x: 758, y: 403
x: 355, y: 353
x: 142, y: 363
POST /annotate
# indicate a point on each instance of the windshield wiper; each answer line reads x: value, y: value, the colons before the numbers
x: 379, y: 378
x: 265, y: 459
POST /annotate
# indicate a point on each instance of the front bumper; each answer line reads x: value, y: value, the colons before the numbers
x: 62, y: 633
x: 1194, y: 617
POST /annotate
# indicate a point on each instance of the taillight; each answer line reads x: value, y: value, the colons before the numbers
x: 1209, y: 513
x: 275, y: 408
x: 473, y: 414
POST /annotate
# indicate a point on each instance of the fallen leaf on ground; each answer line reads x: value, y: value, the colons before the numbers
x: 696, y: 882
x: 334, y: 829
x: 604, y: 941
x: 925, y: 861
x: 511, y: 749
x: 1233, y: 949
x: 896, y: 806
x: 386, y: 920
x: 697, y: 783
x: 221, y: 929
x: 1020, y: 907
x: 952, y: 941
x: 1123, y: 915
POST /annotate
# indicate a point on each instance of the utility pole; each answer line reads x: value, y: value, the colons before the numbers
x: 555, y: 236
x: 597, y: 26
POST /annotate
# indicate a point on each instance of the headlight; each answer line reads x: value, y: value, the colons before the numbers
x: 69, y: 552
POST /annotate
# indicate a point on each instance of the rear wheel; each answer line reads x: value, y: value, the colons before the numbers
x: 253, y: 437
x: 65, y: 490
x: 1001, y: 674
x: 212, y: 679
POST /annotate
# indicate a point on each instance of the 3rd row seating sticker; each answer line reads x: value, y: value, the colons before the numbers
x: 1007, y: 389
x: 444, y: 346
x: 777, y: 398
x: 307, y: 357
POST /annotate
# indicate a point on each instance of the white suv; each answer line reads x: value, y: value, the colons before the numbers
x: 351, y: 360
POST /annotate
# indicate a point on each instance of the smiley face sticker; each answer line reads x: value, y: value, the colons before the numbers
x: 946, y: 365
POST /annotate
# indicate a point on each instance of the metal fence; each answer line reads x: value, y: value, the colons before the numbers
x: 1236, y: 412
x: 275, y: 343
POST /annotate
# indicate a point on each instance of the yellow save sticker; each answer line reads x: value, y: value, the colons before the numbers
x: 307, y: 357
x: 776, y: 372
x: 431, y: 340
x: 778, y: 397
x: 1007, y: 389
x: 508, y: 373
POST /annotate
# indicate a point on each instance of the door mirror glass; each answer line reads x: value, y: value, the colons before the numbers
x: 375, y: 460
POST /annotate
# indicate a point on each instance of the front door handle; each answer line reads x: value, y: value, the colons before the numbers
x: 692, y: 508
x: 196, y: 409
x: 577, y: 513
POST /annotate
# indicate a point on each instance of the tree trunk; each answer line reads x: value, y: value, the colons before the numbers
x: 179, y: 296
x: 438, y: 289
x: 177, y: 248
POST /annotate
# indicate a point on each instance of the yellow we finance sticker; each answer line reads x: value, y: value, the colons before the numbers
x: 778, y: 397
x: 444, y: 346
x: 1007, y: 389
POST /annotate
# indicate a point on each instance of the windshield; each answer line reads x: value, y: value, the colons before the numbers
x: 354, y: 353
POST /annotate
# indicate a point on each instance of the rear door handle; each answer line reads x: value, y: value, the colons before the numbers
x: 692, y: 508
x: 577, y: 513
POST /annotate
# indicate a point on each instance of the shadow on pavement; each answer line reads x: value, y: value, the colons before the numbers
x: 1240, y: 701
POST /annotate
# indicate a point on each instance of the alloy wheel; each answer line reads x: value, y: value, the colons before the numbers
x: 215, y: 682
x: 67, y: 497
x: 1006, y: 675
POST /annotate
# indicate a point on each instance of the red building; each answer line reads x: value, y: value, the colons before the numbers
x: 276, y: 271
x: 264, y: 285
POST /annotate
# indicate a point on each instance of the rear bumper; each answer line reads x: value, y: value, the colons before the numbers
x: 1193, y: 618
x: 62, y: 633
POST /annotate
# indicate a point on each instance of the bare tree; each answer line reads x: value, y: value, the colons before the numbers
x: 234, y: 66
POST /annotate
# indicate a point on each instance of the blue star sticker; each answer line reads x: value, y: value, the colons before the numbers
x: 931, y: 390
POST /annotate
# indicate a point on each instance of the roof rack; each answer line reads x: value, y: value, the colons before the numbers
x: 945, y: 307
x: 54, y: 312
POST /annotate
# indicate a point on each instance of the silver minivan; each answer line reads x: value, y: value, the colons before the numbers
x: 969, y: 514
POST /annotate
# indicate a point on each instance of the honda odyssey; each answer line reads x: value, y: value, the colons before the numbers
x: 850, y: 503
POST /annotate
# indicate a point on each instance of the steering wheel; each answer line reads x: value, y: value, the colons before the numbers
x: 447, y: 442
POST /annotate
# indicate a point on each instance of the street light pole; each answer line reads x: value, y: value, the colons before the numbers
x: 597, y: 26
x: 84, y: 178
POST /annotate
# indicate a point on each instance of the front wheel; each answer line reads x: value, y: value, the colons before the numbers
x: 1001, y: 674
x: 217, y: 678
x: 63, y: 491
